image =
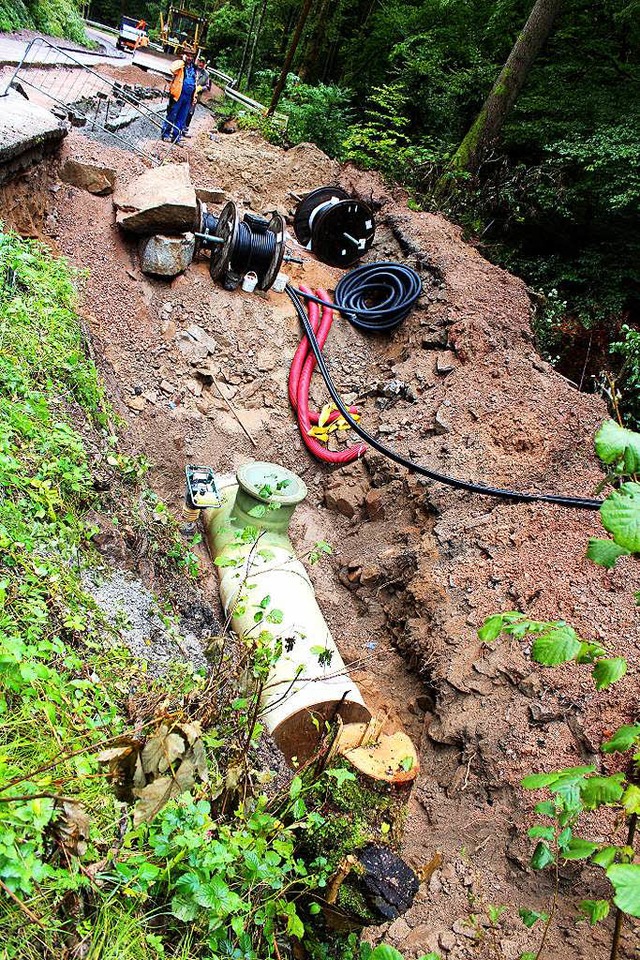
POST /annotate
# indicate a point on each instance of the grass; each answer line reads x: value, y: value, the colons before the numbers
x: 131, y: 821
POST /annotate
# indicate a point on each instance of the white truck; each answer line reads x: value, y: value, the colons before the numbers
x: 131, y: 29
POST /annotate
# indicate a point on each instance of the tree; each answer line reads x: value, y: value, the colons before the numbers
x: 282, y: 79
x: 487, y: 126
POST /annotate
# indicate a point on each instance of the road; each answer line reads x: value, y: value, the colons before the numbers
x: 62, y: 52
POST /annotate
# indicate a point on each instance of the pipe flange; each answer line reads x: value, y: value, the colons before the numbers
x: 226, y: 230
x: 277, y: 227
x: 306, y: 207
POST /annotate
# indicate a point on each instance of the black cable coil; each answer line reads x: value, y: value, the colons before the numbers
x: 253, y: 250
x: 377, y: 297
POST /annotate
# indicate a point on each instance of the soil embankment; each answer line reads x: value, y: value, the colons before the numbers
x: 416, y: 567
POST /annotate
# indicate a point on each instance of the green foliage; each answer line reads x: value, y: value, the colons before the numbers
x: 55, y: 18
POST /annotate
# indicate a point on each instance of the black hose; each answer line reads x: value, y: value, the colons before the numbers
x: 365, y: 322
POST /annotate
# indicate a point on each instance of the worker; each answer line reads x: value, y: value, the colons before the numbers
x: 141, y: 25
x: 203, y: 82
x: 181, y: 93
x: 141, y: 42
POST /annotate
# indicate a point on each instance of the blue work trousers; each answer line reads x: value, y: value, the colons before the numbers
x: 176, y: 119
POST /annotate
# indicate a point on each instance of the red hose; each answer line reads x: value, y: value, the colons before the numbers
x: 302, y: 367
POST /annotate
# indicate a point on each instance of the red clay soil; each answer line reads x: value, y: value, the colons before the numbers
x: 416, y: 566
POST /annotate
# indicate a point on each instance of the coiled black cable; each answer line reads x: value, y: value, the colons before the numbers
x: 253, y: 250
x: 376, y: 297
x: 579, y: 503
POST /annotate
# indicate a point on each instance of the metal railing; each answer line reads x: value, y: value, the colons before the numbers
x: 92, y: 102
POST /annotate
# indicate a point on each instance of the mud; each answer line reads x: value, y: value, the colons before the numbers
x: 416, y: 567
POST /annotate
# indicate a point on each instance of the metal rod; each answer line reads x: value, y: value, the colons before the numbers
x: 209, y: 237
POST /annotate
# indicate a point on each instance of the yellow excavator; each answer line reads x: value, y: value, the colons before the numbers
x: 180, y: 27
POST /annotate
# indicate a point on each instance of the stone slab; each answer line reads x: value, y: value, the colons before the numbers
x: 162, y: 200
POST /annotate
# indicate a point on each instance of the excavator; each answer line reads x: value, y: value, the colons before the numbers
x: 180, y: 27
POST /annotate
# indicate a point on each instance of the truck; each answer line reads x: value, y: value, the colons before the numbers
x: 131, y: 30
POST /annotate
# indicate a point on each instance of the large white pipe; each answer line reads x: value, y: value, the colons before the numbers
x: 267, y: 588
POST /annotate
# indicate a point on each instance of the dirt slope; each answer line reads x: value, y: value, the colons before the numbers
x: 416, y: 566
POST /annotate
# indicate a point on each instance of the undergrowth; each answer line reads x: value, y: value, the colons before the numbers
x: 133, y: 821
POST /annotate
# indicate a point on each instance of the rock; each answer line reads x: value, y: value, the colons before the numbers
x: 447, y: 941
x: 203, y: 337
x: 463, y: 929
x: 443, y: 363
x: 165, y: 256
x: 194, y: 352
x: 228, y: 126
x: 344, y: 499
x: 441, y: 424
x: 162, y: 200
x: 210, y: 196
x: 205, y: 374
x: 136, y: 403
x: 374, y: 505
x: 89, y: 176
x: 370, y: 575
x: 166, y: 387
x: 168, y: 328
x: 399, y: 929
x: 193, y: 386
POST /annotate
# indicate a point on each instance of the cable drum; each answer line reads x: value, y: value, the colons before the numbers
x: 338, y: 228
x: 240, y: 246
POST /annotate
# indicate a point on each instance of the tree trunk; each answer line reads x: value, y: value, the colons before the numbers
x: 488, y: 124
x: 246, y: 46
x: 309, y: 69
x: 256, y: 37
x: 293, y: 46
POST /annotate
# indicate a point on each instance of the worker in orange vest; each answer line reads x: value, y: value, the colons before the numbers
x: 181, y: 94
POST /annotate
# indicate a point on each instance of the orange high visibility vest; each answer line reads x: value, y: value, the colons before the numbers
x: 177, y: 69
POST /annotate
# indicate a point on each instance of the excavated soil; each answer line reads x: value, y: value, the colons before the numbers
x: 416, y: 566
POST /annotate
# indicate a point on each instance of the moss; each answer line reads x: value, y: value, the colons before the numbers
x: 351, y: 900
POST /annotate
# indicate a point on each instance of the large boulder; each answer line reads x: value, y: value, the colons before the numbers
x: 162, y: 200
x: 89, y: 176
x: 164, y: 256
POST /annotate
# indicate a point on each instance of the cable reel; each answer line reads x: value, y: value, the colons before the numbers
x: 240, y: 246
x: 336, y: 227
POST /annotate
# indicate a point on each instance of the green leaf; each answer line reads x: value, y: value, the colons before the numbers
x: 341, y: 776
x: 275, y: 616
x: 385, y: 952
x: 617, y: 445
x: 314, y: 909
x: 606, y: 672
x: 631, y: 799
x: 623, y: 739
x: 595, y: 910
x: 605, y: 553
x: 625, y: 878
x: 599, y: 791
x: 579, y: 849
x: 605, y: 857
x: 295, y: 788
x: 430, y: 956
x: 542, y: 856
x: 491, y: 628
x: 184, y: 908
x: 531, y: 917
x: 559, y: 645
x: 620, y: 515
x: 537, y: 780
x: 564, y: 839
x: 542, y: 833
x: 546, y: 808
